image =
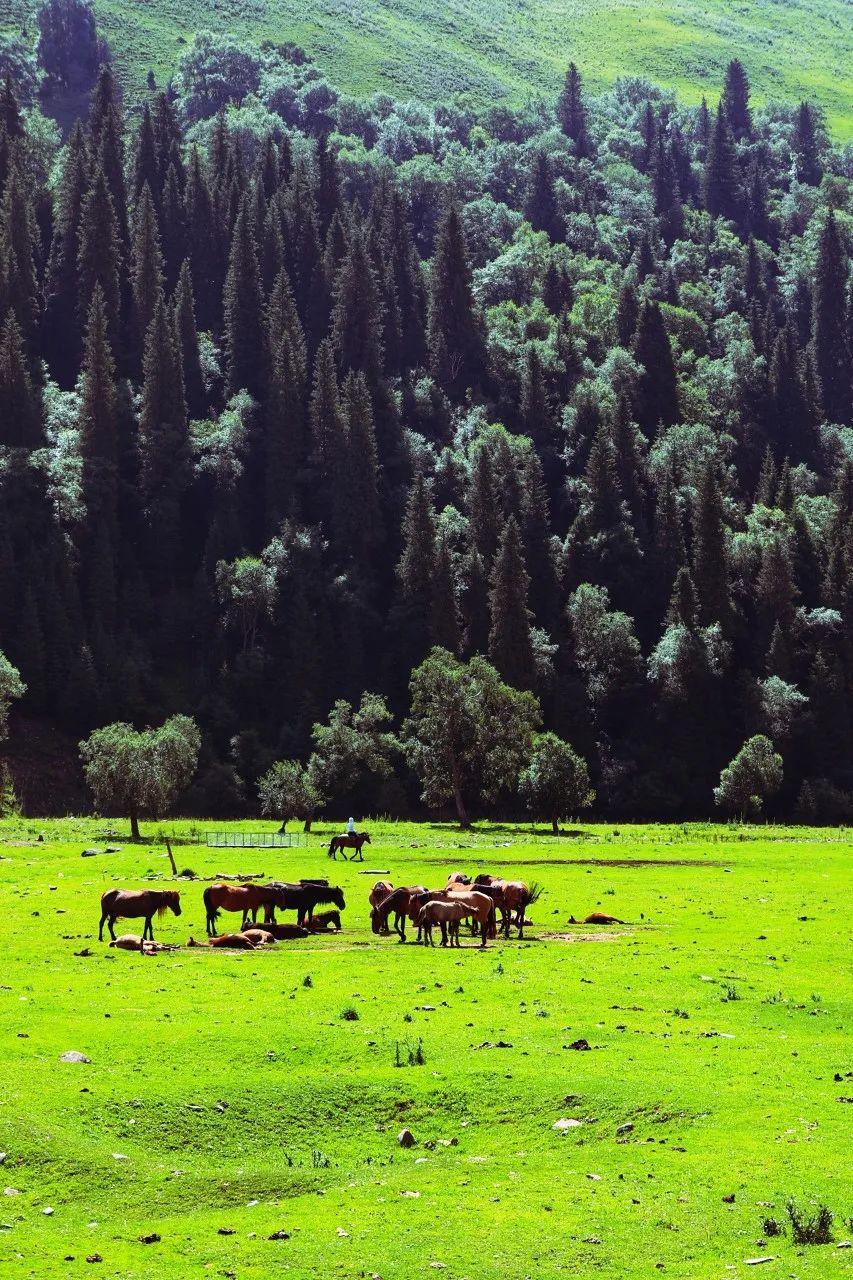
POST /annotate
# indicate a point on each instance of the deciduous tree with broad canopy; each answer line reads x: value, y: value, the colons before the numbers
x: 555, y: 782
x: 11, y: 687
x: 145, y: 771
x: 289, y: 789
x: 754, y: 774
x: 468, y: 734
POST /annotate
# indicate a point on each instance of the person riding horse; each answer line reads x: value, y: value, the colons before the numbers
x: 351, y: 839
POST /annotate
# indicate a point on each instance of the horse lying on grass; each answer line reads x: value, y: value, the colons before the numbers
x: 133, y: 942
x: 325, y: 922
x: 232, y: 941
x: 133, y: 903
x: 596, y: 917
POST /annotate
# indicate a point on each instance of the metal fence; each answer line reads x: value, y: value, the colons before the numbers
x: 252, y: 840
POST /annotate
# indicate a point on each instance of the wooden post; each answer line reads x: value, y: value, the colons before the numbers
x: 171, y: 858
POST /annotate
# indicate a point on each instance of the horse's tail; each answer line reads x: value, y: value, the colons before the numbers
x: 209, y: 905
x: 333, y: 844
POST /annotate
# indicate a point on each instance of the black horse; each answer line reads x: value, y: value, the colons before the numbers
x: 303, y: 898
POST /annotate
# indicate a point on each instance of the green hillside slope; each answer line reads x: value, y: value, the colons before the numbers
x: 428, y: 48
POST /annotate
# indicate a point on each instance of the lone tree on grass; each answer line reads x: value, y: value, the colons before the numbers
x: 555, y: 783
x: 289, y: 790
x: 468, y: 733
x: 11, y: 687
x: 140, y: 772
x: 753, y: 775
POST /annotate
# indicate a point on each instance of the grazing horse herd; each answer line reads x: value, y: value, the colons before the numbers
x: 488, y: 903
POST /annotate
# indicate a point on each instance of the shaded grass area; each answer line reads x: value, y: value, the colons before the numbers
x: 510, y: 48
x: 225, y: 1093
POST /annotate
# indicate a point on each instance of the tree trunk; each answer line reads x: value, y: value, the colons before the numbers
x: 462, y: 812
x: 555, y: 826
x: 134, y: 825
x: 308, y: 822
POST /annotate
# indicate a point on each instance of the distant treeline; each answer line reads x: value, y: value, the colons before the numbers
x: 294, y: 387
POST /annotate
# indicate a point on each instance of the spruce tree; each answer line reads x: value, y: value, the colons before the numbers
x: 183, y: 305
x: 571, y: 112
x: 710, y: 552
x: 145, y: 166
x: 99, y: 412
x: 243, y: 306
x: 806, y: 146
x: 329, y: 450
x: 18, y: 238
x: 205, y: 248
x: 657, y: 388
x: 147, y: 266
x: 357, y: 313
x: 444, y: 617
x: 794, y: 434
x: 540, y: 208
x: 832, y: 355
x: 362, y: 468
x: 456, y: 341
x: 20, y: 418
x: 163, y: 446
x: 721, y: 190
x: 284, y: 421
x: 99, y: 255
x: 510, y: 647
x: 60, y: 330
x: 415, y: 572
x: 735, y: 100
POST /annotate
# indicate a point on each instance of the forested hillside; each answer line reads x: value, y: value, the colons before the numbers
x: 294, y: 387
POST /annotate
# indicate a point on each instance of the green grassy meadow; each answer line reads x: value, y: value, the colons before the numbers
x: 427, y: 49
x: 227, y: 1094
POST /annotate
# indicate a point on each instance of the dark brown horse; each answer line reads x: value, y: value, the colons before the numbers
x: 132, y: 903
x: 399, y: 901
x: 238, y: 897
x: 282, y: 931
x: 354, y: 841
x: 304, y: 897
x: 326, y: 922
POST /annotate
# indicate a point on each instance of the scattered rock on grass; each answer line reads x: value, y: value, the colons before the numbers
x: 625, y: 1128
x: 578, y: 1044
x: 406, y: 1138
x: 729, y: 1199
x: 280, y: 1235
x: 225, y: 1231
x: 153, y: 1238
x: 94, y: 1257
x: 564, y: 1124
x: 73, y: 1056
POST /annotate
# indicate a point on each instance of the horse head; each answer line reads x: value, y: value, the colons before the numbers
x: 337, y: 897
x: 365, y: 835
x: 374, y: 920
x: 175, y: 903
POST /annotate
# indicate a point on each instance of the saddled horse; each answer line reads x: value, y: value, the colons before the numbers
x: 399, y: 901
x: 247, y: 898
x: 355, y: 841
x: 303, y: 898
x: 447, y: 910
x: 127, y: 904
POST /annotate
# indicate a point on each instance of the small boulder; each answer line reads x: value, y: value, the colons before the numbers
x: 73, y: 1056
x: 279, y: 1235
x: 406, y: 1138
x: 579, y: 1044
x: 153, y: 1238
x: 565, y: 1124
x: 729, y: 1199
x: 625, y: 1128
x: 94, y: 1257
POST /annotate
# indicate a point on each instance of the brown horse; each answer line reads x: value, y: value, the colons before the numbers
x: 232, y: 941
x: 377, y: 895
x: 354, y: 841
x: 238, y: 897
x: 133, y: 942
x: 450, y: 909
x: 133, y: 903
x: 399, y: 902
x: 325, y: 922
x: 282, y: 931
x: 260, y: 937
x: 517, y: 897
x: 596, y: 917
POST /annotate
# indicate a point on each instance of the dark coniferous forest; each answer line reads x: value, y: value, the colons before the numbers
x: 296, y: 387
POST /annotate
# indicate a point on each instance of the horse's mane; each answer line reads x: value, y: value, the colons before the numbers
x: 168, y: 898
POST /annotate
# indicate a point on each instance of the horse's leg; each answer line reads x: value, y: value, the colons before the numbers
x: 110, y: 922
x: 485, y: 931
x: 101, y: 927
x: 148, y: 931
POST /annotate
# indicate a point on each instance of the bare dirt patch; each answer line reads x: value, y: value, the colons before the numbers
x: 585, y: 937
